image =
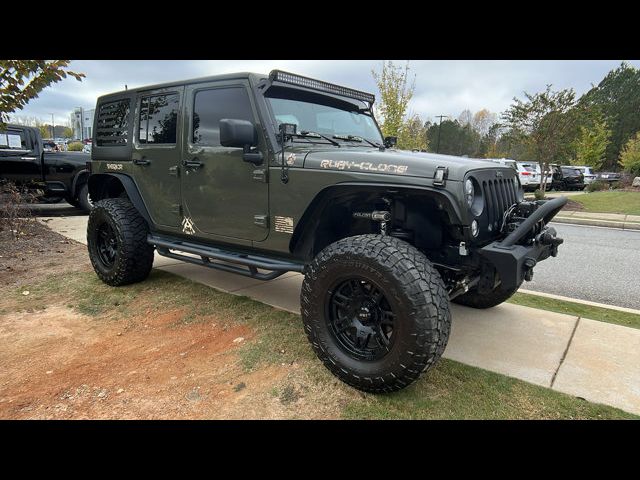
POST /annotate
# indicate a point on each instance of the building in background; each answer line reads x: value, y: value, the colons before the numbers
x: 82, y: 123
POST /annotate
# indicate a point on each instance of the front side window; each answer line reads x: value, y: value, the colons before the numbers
x: 209, y: 106
x: 159, y: 119
x: 13, y: 140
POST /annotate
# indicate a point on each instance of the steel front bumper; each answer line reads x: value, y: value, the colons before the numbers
x: 514, y: 262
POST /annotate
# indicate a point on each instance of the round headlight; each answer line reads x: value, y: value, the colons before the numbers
x: 469, y: 192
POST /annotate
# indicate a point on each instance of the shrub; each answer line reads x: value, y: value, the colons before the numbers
x: 630, y: 156
x: 14, y: 214
x: 539, y: 194
x: 75, y: 147
x: 597, y: 186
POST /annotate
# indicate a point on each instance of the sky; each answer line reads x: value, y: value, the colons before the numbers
x: 442, y: 87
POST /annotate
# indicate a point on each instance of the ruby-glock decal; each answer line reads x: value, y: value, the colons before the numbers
x: 364, y: 166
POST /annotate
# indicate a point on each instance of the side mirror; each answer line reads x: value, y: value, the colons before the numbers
x: 237, y: 133
x: 390, y: 141
x: 240, y: 134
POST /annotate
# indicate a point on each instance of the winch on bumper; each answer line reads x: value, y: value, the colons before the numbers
x: 529, y: 241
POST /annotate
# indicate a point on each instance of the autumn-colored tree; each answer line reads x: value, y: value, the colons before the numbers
x: 395, y: 94
x: 483, y: 120
x: 592, y: 142
x: 413, y: 134
x: 630, y: 155
x: 543, y: 124
x: 22, y: 81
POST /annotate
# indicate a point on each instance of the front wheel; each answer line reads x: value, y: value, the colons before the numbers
x: 485, y: 300
x: 375, y: 311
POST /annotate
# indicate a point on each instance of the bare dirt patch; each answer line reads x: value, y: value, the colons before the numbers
x: 76, y: 349
x: 36, y: 252
x: 572, y: 205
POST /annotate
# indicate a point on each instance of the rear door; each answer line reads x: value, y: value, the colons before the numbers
x: 157, y: 142
x: 224, y: 197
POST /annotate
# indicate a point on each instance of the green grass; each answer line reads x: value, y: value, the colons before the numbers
x: 578, y: 309
x: 450, y: 390
x: 610, y: 202
x: 456, y: 391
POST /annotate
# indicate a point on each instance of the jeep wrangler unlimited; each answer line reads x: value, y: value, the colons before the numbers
x: 264, y: 175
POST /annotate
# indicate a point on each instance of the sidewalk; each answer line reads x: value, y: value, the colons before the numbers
x: 593, y: 360
x: 626, y: 222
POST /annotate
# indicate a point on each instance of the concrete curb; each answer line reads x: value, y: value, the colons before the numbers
x: 577, y: 300
x: 597, y: 223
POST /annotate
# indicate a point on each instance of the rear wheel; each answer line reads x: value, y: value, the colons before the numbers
x: 84, y: 200
x: 117, y: 242
x: 375, y: 311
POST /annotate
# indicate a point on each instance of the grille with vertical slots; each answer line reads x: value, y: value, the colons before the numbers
x: 499, y: 195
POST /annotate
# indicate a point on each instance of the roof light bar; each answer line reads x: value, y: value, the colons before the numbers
x: 299, y: 80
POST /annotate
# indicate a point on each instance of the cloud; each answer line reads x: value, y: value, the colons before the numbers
x: 442, y: 86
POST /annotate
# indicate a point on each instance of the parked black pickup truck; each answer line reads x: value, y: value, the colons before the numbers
x: 53, y: 176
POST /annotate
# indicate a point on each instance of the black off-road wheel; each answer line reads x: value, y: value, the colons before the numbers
x: 375, y: 311
x: 117, y: 242
x: 485, y: 300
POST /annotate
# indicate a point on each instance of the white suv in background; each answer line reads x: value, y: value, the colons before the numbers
x: 589, y: 175
x: 529, y: 174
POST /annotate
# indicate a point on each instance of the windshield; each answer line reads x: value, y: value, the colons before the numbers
x: 324, y: 119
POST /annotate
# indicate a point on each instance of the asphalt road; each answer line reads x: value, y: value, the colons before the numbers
x: 596, y: 264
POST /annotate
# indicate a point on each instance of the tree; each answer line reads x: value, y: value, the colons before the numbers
x: 617, y: 96
x: 483, y: 120
x: 455, y: 139
x: 22, y: 81
x: 592, y: 144
x: 630, y: 155
x: 465, y: 118
x: 395, y: 94
x: 413, y: 134
x: 543, y: 124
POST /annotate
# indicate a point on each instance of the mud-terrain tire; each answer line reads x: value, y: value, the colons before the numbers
x: 117, y: 242
x: 485, y: 300
x: 361, y: 268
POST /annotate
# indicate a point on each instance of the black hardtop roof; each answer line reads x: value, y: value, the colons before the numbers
x: 256, y: 77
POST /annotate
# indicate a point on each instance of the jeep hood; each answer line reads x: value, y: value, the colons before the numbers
x: 394, y: 162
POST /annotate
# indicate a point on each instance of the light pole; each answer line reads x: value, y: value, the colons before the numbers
x: 439, y: 127
x: 53, y: 128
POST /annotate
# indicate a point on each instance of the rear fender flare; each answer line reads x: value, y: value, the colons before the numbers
x: 99, y: 188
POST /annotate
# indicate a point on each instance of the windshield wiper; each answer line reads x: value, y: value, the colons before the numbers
x: 307, y: 133
x: 354, y: 138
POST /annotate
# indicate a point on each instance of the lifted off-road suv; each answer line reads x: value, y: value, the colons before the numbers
x: 263, y: 175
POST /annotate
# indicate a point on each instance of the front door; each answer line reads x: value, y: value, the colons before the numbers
x: 223, y: 197
x: 19, y: 162
x: 156, y: 153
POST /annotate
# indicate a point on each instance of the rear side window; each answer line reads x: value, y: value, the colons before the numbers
x: 112, y: 123
x: 159, y: 119
x: 212, y: 105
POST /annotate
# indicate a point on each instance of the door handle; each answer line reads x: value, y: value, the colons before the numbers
x: 193, y: 163
x: 141, y: 161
